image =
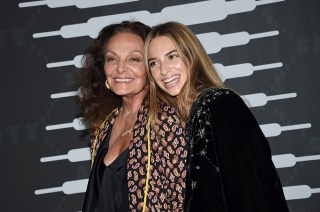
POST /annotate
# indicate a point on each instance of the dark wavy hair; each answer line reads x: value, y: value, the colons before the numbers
x: 96, y: 101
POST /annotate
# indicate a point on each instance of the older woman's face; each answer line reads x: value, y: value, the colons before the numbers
x: 124, y: 67
x: 166, y: 66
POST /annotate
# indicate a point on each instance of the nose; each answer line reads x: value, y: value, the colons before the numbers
x: 164, y: 69
x: 121, y: 67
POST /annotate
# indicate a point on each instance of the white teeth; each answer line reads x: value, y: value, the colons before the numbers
x: 123, y: 80
x: 170, y: 79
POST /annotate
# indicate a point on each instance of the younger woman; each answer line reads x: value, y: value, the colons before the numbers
x: 229, y: 159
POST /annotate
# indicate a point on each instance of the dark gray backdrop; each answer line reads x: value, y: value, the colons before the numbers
x: 27, y: 85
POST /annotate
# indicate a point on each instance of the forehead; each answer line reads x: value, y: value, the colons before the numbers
x: 125, y: 41
x: 160, y: 44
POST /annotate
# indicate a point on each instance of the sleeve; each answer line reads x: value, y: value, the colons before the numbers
x: 175, y: 154
x: 249, y: 179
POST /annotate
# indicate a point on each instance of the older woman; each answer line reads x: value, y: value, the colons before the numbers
x: 230, y: 167
x: 134, y: 166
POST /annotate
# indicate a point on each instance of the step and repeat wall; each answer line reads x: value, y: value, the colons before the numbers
x: 266, y: 50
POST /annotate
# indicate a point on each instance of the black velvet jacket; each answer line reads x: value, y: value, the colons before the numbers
x: 230, y: 167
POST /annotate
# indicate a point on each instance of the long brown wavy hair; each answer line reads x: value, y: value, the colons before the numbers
x: 96, y: 101
x: 200, y: 75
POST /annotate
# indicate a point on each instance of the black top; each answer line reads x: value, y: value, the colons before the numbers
x: 229, y: 166
x: 110, y: 190
x: 113, y: 195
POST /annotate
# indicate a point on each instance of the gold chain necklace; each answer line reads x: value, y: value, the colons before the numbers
x: 127, y: 132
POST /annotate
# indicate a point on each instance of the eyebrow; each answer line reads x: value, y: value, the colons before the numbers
x: 168, y: 53
x: 132, y: 52
x: 136, y: 51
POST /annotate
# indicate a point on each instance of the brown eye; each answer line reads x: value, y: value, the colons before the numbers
x: 173, y: 56
x: 152, y: 64
x: 110, y: 59
x: 135, y: 59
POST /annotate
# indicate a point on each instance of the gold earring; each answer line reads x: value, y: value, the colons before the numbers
x: 107, y: 85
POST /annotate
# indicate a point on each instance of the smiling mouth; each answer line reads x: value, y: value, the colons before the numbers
x: 123, y: 79
x: 171, y: 80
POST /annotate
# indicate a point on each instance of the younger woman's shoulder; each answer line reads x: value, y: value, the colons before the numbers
x: 212, y: 95
x: 219, y: 98
x: 220, y: 101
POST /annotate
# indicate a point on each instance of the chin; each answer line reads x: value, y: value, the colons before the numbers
x: 173, y: 93
x: 121, y: 93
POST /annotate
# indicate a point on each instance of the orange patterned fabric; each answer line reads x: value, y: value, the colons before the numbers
x: 168, y: 161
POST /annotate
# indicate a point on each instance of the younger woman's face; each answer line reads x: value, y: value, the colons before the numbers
x: 166, y: 66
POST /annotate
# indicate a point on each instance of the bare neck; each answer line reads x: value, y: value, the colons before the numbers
x: 131, y: 104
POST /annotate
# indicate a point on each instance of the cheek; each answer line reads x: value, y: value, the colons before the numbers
x: 183, y: 69
x: 158, y: 82
x: 107, y: 70
x: 140, y: 73
x: 180, y: 65
x: 155, y: 76
x: 142, y: 80
x: 138, y: 69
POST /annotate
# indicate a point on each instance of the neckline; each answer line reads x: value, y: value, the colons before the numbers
x: 116, y: 163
